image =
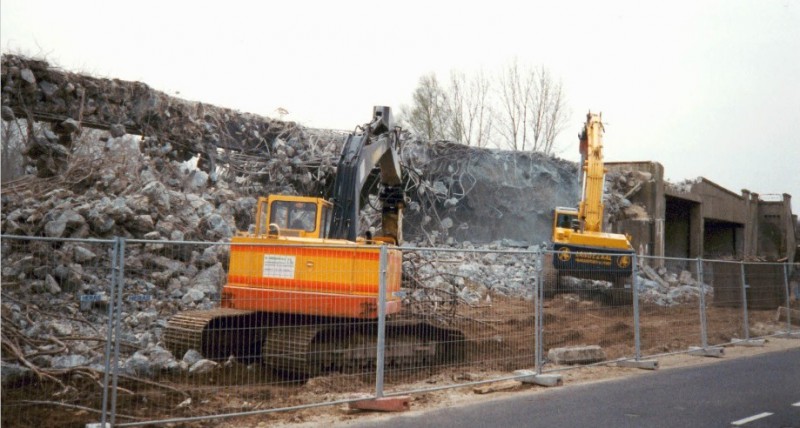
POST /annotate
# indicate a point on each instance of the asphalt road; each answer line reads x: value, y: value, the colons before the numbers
x: 753, y: 392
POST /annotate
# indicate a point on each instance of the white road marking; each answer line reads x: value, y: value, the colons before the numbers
x: 751, y: 419
x: 796, y: 404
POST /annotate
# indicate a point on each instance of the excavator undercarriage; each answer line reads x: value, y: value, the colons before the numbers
x: 303, y: 346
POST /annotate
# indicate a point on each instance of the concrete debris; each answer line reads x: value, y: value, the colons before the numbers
x: 684, y: 186
x: 620, y: 186
x: 576, y: 355
x: 203, y: 366
x: 670, y: 289
x: 113, y: 158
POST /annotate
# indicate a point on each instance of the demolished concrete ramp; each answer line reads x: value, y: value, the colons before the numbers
x: 456, y: 193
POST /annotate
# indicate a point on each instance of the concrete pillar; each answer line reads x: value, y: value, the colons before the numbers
x: 753, y: 219
x: 659, y: 204
x: 788, y: 239
x: 696, y: 231
x: 750, y: 246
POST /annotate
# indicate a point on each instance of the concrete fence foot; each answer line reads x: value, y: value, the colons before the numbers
x: 641, y: 364
x: 713, y: 351
x: 383, y: 404
x: 748, y: 342
x: 530, y: 376
x: 789, y: 334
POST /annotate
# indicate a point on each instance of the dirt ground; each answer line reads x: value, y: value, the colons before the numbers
x: 500, y: 337
x: 341, y: 416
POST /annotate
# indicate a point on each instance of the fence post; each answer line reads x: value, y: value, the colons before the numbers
x: 788, y: 299
x: 381, y: 323
x: 538, y: 292
x: 703, y: 326
x: 744, y: 304
x: 117, y: 322
x: 110, y: 332
x: 636, y: 337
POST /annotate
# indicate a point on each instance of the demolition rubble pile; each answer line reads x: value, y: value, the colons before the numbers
x: 108, y: 158
x: 620, y: 187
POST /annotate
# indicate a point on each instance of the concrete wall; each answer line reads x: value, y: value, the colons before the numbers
x: 704, y: 219
x: 777, y: 237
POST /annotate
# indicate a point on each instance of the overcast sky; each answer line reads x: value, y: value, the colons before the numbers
x: 706, y: 88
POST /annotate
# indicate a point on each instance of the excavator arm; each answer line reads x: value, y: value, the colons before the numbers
x: 375, y: 145
x: 590, y: 210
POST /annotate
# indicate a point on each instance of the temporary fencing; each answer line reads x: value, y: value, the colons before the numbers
x: 672, y: 298
x: 484, y: 302
x: 57, y: 306
x: 153, y: 338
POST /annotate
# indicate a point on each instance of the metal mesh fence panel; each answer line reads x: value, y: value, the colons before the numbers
x: 234, y: 329
x: 765, y: 288
x: 669, y: 296
x: 469, y: 314
x: 587, y: 307
x: 725, y: 313
x: 791, y: 314
x: 55, y: 318
x: 219, y: 330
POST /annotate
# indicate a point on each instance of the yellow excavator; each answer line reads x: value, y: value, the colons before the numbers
x: 582, y: 249
x: 303, y: 287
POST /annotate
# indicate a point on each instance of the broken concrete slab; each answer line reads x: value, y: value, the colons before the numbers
x: 792, y: 314
x: 400, y: 403
x: 577, y: 355
x: 654, y: 276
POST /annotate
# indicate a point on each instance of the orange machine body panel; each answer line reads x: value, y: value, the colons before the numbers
x: 310, y: 276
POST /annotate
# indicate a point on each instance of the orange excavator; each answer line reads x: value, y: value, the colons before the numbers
x: 303, y: 287
x: 583, y: 249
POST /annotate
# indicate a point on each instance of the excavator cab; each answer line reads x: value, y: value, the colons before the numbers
x: 565, y: 221
x: 282, y: 215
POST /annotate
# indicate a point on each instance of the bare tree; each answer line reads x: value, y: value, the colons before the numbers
x: 514, y: 94
x: 533, y: 110
x: 525, y: 110
x: 429, y: 113
x: 471, y: 120
x: 548, y: 111
x: 13, y: 141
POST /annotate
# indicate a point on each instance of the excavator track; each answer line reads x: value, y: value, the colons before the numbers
x: 216, y: 333
x: 303, y: 347
x: 313, y: 350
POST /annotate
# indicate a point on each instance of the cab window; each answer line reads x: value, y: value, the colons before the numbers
x: 326, y: 220
x: 565, y: 220
x: 294, y: 215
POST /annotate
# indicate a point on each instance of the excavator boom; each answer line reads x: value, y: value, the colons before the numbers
x: 590, y: 210
x: 583, y: 249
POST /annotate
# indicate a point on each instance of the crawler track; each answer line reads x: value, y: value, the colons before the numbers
x: 303, y: 346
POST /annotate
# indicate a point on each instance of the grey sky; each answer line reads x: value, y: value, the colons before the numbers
x: 706, y: 88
